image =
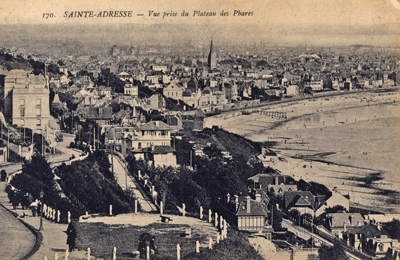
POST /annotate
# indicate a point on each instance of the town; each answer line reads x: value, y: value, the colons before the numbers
x: 124, y: 137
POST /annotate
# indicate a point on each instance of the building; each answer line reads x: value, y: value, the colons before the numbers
x: 262, y: 180
x: 212, y: 58
x: 101, y: 116
x: 302, y: 201
x: 315, y: 85
x: 124, y: 76
x: 292, y: 90
x: 336, y: 199
x: 26, y: 99
x: 188, y: 120
x: 358, y: 237
x: 279, y: 189
x: 393, y: 252
x: 380, y: 246
x: 163, y: 68
x: 252, y: 215
x: 131, y: 90
x: 173, y: 90
x: 163, y: 156
x: 155, y: 102
x: 340, y: 223
x: 154, y: 133
x: 382, y: 217
x: 104, y: 91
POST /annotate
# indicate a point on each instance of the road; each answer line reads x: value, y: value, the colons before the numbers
x: 54, y: 159
x: 16, y: 240
x: 120, y: 172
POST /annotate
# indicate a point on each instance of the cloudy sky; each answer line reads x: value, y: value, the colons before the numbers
x: 304, y: 20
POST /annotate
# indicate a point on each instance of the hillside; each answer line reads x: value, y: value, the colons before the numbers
x: 226, y: 141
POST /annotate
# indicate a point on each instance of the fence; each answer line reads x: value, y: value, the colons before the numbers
x: 146, y: 253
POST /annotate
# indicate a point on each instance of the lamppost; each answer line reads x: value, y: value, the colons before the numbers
x: 41, y: 211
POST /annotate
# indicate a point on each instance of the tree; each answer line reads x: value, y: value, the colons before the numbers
x: 277, y: 218
x: 104, y: 163
x: 335, y: 209
x: 262, y: 64
x: 213, y: 152
x: 393, y: 229
x: 336, y: 252
x: 36, y: 175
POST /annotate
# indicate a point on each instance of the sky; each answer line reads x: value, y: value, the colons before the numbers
x: 363, y: 20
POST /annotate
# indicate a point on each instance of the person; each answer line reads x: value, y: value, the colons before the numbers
x: 25, y: 201
x: 14, y: 200
x: 34, y: 208
x: 3, y: 175
x: 144, y: 241
x: 71, y: 233
x: 142, y: 249
x: 153, y: 247
x: 39, y: 209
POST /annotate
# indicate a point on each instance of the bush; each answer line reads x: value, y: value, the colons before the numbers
x: 235, y: 247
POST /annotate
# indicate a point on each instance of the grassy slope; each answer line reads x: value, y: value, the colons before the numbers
x: 102, y: 238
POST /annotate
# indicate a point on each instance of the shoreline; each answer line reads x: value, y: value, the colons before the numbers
x: 367, y: 186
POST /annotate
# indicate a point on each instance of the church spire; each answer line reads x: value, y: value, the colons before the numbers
x: 212, y: 57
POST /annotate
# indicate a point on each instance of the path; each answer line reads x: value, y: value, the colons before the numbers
x: 16, y: 240
x: 123, y: 178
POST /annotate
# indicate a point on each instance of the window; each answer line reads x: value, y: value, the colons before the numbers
x: 22, y: 102
x: 38, y: 102
x: 22, y: 111
x: 38, y: 122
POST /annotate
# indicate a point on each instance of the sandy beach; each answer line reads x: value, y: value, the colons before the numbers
x: 350, y: 142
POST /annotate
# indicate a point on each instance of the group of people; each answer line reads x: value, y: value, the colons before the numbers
x: 26, y: 201
x: 146, y: 240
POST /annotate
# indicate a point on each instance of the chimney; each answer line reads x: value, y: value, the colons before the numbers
x: 157, y: 123
x: 379, y: 226
x: 236, y: 201
x: 344, y: 226
x: 248, y: 204
x: 258, y: 197
x: 276, y: 180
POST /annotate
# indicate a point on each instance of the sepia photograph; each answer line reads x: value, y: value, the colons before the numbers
x: 200, y: 130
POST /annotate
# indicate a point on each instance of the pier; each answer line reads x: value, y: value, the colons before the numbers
x: 274, y: 114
